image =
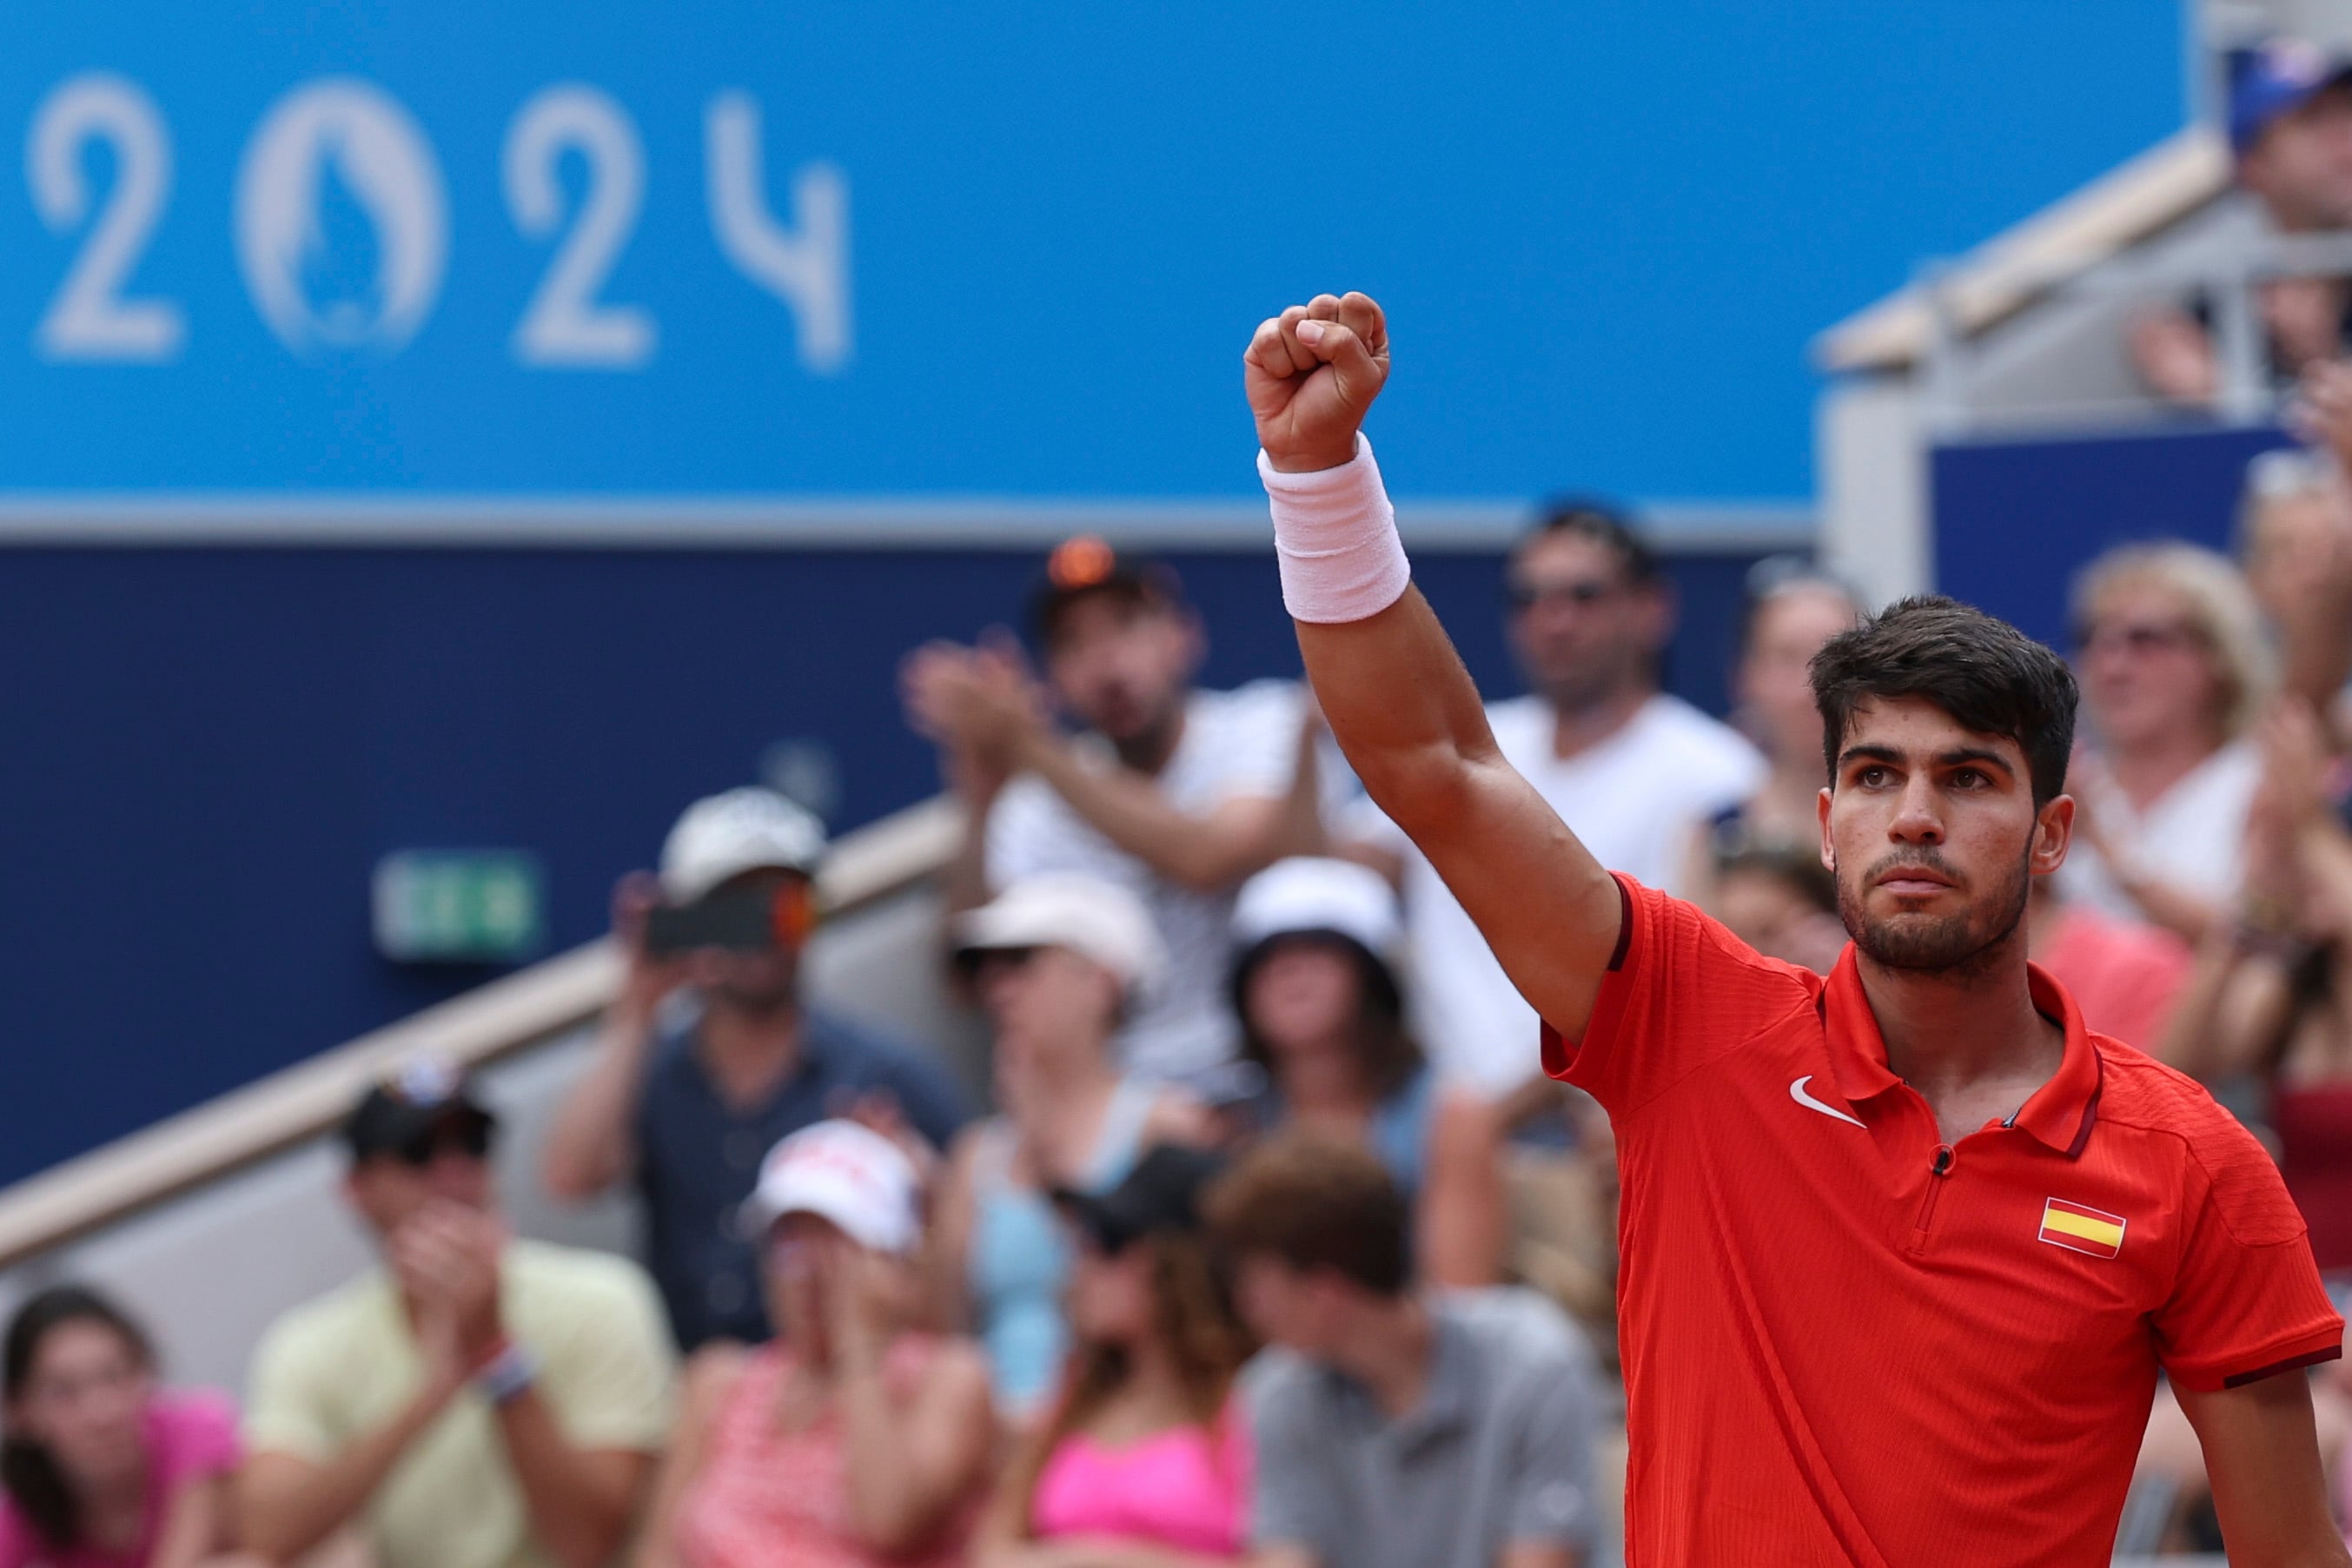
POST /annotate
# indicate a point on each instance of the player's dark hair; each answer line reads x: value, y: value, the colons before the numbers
x: 1314, y: 1200
x: 1604, y: 523
x: 28, y: 1472
x: 1990, y: 677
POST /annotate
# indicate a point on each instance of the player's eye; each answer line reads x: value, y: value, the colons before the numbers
x: 1872, y: 777
x: 1969, y: 779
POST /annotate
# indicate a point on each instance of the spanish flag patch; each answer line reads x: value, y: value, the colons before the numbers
x: 2079, y: 1228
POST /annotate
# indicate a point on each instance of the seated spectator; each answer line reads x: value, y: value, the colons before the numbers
x: 1322, y: 1011
x: 2291, y: 139
x: 2174, y: 665
x: 1779, y: 899
x: 2271, y: 993
x: 848, y: 1440
x: 1145, y: 1462
x: 1174, y: 793
x: 101, y: 1468
x: 685, y: 1104
x: 1396, y: 1429
x: 1627, y: 767
x: 475, y: 1402
x: 1791, y: 608
x: 1058, y: 961
x: 2295, y: 542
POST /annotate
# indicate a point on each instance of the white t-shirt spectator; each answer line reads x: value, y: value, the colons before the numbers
x: 1236, y: 745
x: 1633, y: 800
x: 2192, y: 837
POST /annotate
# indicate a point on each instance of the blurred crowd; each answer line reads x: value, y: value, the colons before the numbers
x: 1271, y: 1241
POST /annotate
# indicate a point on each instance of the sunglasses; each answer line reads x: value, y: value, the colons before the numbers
x: 2138, y: 638
x: 468, y: 1138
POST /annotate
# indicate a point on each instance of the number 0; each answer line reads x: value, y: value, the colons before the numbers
x: 564, y: 325
x: 87, y: 317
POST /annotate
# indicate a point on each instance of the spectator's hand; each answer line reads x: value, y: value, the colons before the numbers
x: 979, y: 705
x: 2288, y: 800
x: 863, y: 1297
x: 2174, y: 356
x: 649, y: 980
x: 1311, y: 374
x: 445, y: 1257
x: 2322, y: 411
x: 2306, y: 318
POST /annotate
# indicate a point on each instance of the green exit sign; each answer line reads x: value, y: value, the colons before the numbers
x: 463, y: 906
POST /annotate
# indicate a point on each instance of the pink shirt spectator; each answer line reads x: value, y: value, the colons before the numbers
x: 190, y: 1436
x: 766, y: 1497
x: 1186, y: 1488
x: 2124, y: 976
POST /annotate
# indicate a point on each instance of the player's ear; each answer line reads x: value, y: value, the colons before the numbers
x: 2054, y: 831
x: 1822, y: 810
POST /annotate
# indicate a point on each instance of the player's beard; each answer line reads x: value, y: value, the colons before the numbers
x: 1941, y: 943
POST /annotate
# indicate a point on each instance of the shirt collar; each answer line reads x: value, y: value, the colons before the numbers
x: 2060, y: 1113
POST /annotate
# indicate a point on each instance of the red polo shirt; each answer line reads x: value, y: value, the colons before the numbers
x: 1846, y: 1341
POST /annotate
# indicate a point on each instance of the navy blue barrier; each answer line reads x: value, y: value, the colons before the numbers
x: 2015, y: 520
x: 208, y: 750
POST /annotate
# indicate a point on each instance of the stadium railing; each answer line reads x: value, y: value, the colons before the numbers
x: 210, y: 1222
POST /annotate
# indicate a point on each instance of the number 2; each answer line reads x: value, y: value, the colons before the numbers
x: 563, y: 324
x: 87, y: 317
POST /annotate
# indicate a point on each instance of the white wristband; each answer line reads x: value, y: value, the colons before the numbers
x: 1335, y: 534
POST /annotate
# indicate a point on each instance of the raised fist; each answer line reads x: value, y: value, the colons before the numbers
x: 1311, y: 374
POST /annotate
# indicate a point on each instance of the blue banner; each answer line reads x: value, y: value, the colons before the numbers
x: 442, y: 249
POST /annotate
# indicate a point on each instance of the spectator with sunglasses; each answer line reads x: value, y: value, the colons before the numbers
x: 2175, y: 663
x: 708, y: 1059
x: 1058, y: 961
x: 476, y: 1401
x: 1630, y: 768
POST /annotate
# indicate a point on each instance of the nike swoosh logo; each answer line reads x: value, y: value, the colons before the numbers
x: 1797, y: 1092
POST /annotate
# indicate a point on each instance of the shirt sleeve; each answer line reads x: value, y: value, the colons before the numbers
x: 1680, y: 990
x: 1020, y: 837
x: 1290, y: 1504
x: 2247, y: 1301
x: 1550, y: 1498
x: 199, y: 1433
x: 286, y: 1410
x: 608, y: 1379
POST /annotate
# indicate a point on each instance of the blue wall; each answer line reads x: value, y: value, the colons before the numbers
x: 207, y: 751
x: 2015, y: 520
x: 1606, y: 232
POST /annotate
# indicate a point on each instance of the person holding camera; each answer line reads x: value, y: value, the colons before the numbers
x: 686, y: 1100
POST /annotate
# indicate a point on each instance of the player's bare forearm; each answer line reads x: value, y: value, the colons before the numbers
x: 1394, y: 691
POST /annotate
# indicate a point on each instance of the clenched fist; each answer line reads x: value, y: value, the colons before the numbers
x: 1311, y: 374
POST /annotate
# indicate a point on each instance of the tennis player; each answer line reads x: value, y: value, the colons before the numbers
x: 1907, y: 1248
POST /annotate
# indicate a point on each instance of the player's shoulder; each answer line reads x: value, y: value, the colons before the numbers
x: 2222, y: 1162
x: 1664, y: 920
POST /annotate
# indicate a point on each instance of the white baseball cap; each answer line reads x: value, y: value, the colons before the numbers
x: 1311, y: 894
x: 844, y: 1172
x: 743, y: 830
x: 1093, y: 918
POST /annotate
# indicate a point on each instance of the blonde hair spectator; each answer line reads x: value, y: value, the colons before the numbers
x: 2221, y: 609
